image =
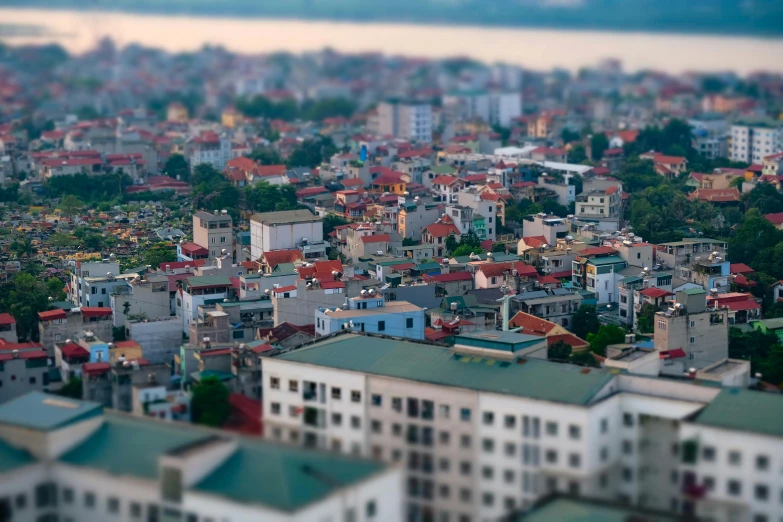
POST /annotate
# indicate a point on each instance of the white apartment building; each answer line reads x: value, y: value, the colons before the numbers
x: 93, y: 282
x: 208, y: 148
x: 752, y: 140
x: 482, y: 431
x: 495, y: 108
x: 69, y: 460
x: 602, y: 205
x: 285, y: 230
x: 213, y: 231
x: 407, y: 120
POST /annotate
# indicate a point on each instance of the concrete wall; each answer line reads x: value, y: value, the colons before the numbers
x: 159, y: 340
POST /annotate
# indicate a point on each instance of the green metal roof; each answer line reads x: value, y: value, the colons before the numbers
x: 608, y: 260
x: 45, y: 412
x: 283, y: 477
x: 443, y: 169
x: 128, y: 446
x: 428, y: 266
x: 201, y: 281
x: 745, y: 410
x: 206, y: 374
x: 573, y: 510
x: 694, y: 291
x: 772, y: 324
x: 536, y: 379
x: 284, y: 268
x: 12, y: 458
x: 62, y: 305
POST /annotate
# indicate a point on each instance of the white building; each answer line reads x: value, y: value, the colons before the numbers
x: 372, y: 314
x: 752, y: 140
x: 407, y: 120
x: 287, y: 229
x: 495, y: 108
x: 208, y: 148
x: 92, y: 282
x: 69, y: 460
x: 484, y: 429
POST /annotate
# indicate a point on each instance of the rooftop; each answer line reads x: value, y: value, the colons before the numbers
x: 536, y: 379
x: 745, y: 410
x: 285, y: 217
x: 581, y: 510
x: 44, y: 412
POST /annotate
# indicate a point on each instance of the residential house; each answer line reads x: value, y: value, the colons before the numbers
x: 285, y: 230
x: 532, y: 325
x: 369, y: 312
x: 436, y: 233
x: 554, y: 305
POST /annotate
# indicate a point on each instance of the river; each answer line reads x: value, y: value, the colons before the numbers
x: 531, y: 48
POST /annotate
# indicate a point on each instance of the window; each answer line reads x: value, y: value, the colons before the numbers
x: 113, y: 505
x: 356, y: 422
x: 574, y: 460
x: 409, y: 322
x: 551, y: 428
x: 397, y: 404
x: 574, y: 432
x: 489, y: 418
x: 356, y: 396
x: 377, y: 400
x: 465, y: 495
x: 734, y: 488
x: 708, y: 453
x: 293, y: 386
x: 627, y: 447
x: 135, y: 510
x: 693, y: 324
x: 510, y: 421
x: 337, y: 393
x: 396, y: 429
x: 604, y: 454
x: 464, y: 414
x: 413, y: 408
x: 370, y: 509
x: 89, y: 500
x: 464, y: 441
x: 627, y: 419
x: 604, y: 425
x: 427, y: 410
x: 381, y: 326
x: 735, y: 458
x: 293, y: 411
x: 444, y: 411
x: 274, y: 383
x: 509, y: 449
x: 488, y: 499
x: 376, y: 426
x: 692, y: 340
x: 551, y: 456
x: 628, y: 474
x: 67, y: 496
x: 444, y: 437
x: 488, y: 445
x: 337, y: 419
x: 465, y: 468
x: 488, y: 472
x: 762, y: 462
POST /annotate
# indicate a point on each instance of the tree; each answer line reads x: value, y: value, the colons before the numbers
x: 23, y: 297
x: 646, y: 318
x: 559, y: 350
x: 607, y: 334
x: 328, y: 108
x: 177, y: 167
x: 62, y: 240
x: 577, y: 154
x: 70, y: 205
x: 264, y: 197
x: 266, y: 156
x: 408, y: 241
x: 499, y: 247
x: 598, y: 144
x: 464, y: 250
x: 23, y: 248
x: 567, y: 135
x: 72, y: 389
x: 209, y: 402
x: 158, y: 254
x: 55, y: 288
x: 585, y: 321
x: 311, y: 153
x: 451, y: 243
x: 331, y: 221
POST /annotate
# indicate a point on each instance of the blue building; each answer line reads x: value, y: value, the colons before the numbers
x: 371, y: 313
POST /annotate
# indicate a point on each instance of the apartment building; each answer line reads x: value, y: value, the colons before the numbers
x: 636, y: 291
x: 71, y: 460
x: 208, y: 148
x: 550, y: 227
x: 556, y: 304
x: 147, y: 297
x: 482, y: 432
x: 56, y: 326
x: 287, y: 229
x: 92, y: 282
x: 24, y: 368
x: 689, y: 334
x: 369, y: 312
x: 600, y: 275
x: 409, y: 120
x: 413, y: 216
x: 198, y: 291
x: 487, y: 208
x: 495, y: 108
x: 8, y: 328
x: 754, y: 139
x: 690, y: 250
x: 603, y: 206
x: 214, y: 232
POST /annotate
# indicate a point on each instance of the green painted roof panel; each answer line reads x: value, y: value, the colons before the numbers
x: 536, y: 379
x: 44, y: 412
x: 12, y: 458
x: 745, y: 410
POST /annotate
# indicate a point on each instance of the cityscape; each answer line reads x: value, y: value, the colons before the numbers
x: 342, y: 286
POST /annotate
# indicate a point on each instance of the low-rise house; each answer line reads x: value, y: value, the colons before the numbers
x: 726, y: 196
x: 8, y: 328
x: 25, y: 368
x: 742, y: 307
x: 452, y: 283
x: 436, y: 233
x: 286, y: 335
x: 515, y: 275
x: 556, y: 305
x: 371, y: 313
x: 55, y: 326
x: 532, y: 325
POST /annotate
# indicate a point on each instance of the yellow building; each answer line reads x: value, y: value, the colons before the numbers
x: 177, y: 112
x: 230, y: 118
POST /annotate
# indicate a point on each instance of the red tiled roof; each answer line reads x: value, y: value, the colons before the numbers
x: 445, y: 180
x: 531, y: 324
x: 276, y: 257
x: 600, y: 171
x: 497, y: 269
x: 7, y: 318
x: 442, y: 229
x: 403, y: 266
x: 595, y: 251
x: 743, y: 281
x: 96, y: 368
x: 775, y: 219
x: 376, y: 238
x: 311, y: 191
x: 450, y: 277
x: 51, y: 315
x: 95, y: 311
x: 74, y: 350
x: 174, y: 265
x: 534, y: 241
x: 668, y: 160
x: 628, y: 136
x: 352, y: 182
x: 568, y: 338
x: 414, y: 153
x: 320, y: 269
x: 284, y: 289
x: 654, y: 293
x: 332, y: 284
x: 473, y: 178
x: 611, y: 190
x: 737, y: 306
x: 672, y: 354
x: 716, y: 195
x: 127, y: 344
x: 740, y: 268
x: 218, y: 351
x: 193, y: 248
x: 269, y: 170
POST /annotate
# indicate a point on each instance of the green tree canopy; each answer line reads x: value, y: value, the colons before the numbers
x: 585, y: 321
x: 646, y: 318
x: 598, y: 144
x: 70, y: 205
x: 559, y: 350
x: 72, y: 389
x: 607, y: 334
x: 177, y: 167
x: 23, y: 297
x: 266, y: 156
x: 209, y: 402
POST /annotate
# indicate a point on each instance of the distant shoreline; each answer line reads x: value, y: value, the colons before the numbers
x: 457, y: 19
